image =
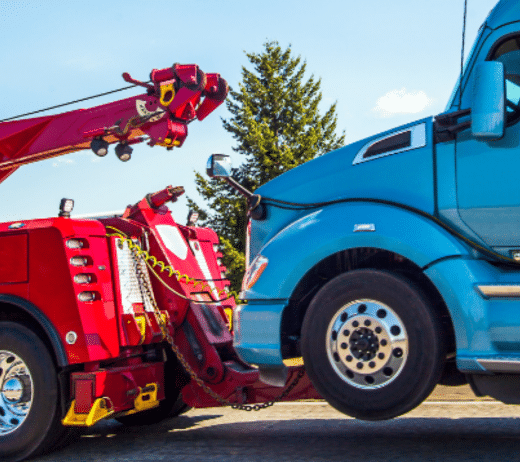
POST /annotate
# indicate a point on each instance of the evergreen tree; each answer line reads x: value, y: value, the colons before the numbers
x: 276, y: 123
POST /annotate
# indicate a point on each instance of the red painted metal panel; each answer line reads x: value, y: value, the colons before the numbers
x: 119, y: 384
x: 52, y: 288
x: 83, y: 393
x: 13, y: 258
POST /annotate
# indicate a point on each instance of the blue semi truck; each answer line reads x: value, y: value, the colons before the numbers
x: 393, y: 264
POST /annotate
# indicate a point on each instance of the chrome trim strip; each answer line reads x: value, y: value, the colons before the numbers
x: 499, y: 291
x: 117, y: 213
x: 500, y: 365
x: 418, y: 135
x: 364, y: 228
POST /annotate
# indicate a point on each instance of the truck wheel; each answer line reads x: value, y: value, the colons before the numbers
x: 371, y: 344
x: 29, y: 394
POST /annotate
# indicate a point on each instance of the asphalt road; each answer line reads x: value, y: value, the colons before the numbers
x: 448, y: 427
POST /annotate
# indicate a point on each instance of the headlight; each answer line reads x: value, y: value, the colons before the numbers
x: 257, y: 267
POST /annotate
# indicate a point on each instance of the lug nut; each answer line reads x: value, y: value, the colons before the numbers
x: 398, y: 352
x: 395, y: 330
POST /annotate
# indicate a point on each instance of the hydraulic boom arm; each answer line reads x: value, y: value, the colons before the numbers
x: 174, y: 97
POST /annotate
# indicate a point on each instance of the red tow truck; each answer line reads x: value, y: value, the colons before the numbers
x: 124, y: 317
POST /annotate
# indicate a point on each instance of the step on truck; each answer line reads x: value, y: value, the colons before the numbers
x: 121, y: 316
x: 393, y: 264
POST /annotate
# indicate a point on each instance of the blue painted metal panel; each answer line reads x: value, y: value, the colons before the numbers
x: 257, y: 333
x: 405, y: 177
x: 483, y: 327
x: 323, y: 232
x: 488, y: 196
x: 504, y: 12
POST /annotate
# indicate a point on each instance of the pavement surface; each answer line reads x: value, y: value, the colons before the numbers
x: 451, y: 425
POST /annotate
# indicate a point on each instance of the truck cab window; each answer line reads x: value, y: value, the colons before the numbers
x: 508, y: 53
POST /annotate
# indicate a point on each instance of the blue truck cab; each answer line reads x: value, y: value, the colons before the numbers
x: 393, y: 264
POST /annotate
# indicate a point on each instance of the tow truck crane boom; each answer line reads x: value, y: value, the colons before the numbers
x: 174, y: 97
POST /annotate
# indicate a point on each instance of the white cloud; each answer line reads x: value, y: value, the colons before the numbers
x: 402, y: 102
x: 59, y: 162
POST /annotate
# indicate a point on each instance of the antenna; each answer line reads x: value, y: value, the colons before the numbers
x: 462, y: 53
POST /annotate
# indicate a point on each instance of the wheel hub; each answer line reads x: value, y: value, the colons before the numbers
x: 13, y: 390
x: 364, y: 344
x: 367, y: 344
x: 16, y: 391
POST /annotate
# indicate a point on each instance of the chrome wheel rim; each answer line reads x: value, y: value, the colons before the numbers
x: 16, y: 392
x: 367, y: 344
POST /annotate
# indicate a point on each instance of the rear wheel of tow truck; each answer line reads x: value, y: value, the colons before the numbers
x: 371, y: 344
x: 30, y: 417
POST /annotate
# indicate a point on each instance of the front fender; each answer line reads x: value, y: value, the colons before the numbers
x: 323, y: 232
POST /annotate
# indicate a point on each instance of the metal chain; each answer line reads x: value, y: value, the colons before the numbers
x: 166, y: 334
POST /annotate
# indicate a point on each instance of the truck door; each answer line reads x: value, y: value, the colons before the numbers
x: 488, y: 172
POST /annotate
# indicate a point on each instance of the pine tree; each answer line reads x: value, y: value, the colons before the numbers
x: 276, y: 123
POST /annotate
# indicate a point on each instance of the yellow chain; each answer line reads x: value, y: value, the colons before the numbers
x: 152, y: 263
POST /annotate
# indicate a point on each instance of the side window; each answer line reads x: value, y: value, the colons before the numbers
x: 508, y: 53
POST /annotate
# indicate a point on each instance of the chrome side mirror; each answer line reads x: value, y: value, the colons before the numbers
x: 219, y: 166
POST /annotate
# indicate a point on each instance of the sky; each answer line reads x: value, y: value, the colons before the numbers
x: 384, y: 63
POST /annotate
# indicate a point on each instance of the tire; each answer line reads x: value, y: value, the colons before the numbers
x: 371, y: 344
x: 179, y: 408
x: 30, y: 414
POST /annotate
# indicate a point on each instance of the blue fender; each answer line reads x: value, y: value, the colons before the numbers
x: 323, y: 232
